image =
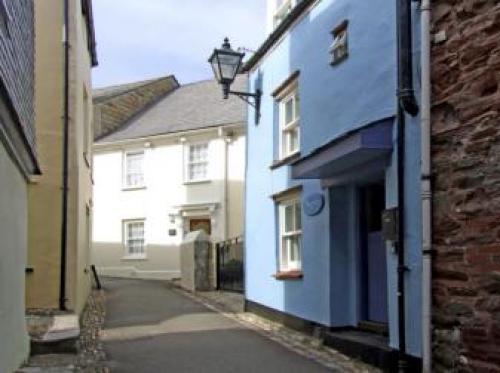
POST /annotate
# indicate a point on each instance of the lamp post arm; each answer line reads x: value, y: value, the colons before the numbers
x: 245, y: 96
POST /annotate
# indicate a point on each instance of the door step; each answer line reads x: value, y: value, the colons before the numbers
x: 374, y: 327
x: 53, y: 334
x: 370, y: 348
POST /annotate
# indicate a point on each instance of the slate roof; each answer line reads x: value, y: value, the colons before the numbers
x: 106, y: 93
x: 189, y: 107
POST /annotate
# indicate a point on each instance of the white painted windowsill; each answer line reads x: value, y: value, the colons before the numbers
x: 135, y: 257
x: 126, y: 189
x: 204, y: 181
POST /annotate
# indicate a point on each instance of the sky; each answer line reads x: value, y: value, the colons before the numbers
x: 143, y: 39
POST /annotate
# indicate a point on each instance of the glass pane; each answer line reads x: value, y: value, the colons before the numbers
x: 284, y: 252
x: 294, y: 140
x: 295, y: 252
x: 288, y: 111
x: 228, y: 65
x: 297, y: 104
x: 288, y: 212
x: 298, y: 216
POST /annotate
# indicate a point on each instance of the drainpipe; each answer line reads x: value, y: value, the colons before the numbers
x: 425, y: 152
x: 406, y: 104
x: 64, y: 224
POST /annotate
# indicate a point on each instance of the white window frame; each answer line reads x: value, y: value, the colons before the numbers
x: 126, y: 248
x: 339, y: 50
x: 282, y: 11
x: 286, y: 264
x: 290, y: 93
x: 126, y: 185
x: 188, y: 163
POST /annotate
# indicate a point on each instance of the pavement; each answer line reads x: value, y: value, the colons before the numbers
x: 152, y: 327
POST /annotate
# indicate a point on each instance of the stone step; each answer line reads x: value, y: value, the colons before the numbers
x: 54, y: 334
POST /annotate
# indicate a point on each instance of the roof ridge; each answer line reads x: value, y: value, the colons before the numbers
x: 140, y: 84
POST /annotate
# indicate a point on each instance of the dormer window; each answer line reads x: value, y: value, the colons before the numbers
x: 339, y: 49
x: 282, y: 9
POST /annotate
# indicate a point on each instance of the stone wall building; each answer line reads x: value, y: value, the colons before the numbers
x: 466, y: 166
x: 18, y: 163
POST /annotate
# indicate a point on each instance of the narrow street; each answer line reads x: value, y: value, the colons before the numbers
x: 152, y: 328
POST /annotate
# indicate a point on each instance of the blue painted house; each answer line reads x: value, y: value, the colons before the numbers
x: 323, y: 167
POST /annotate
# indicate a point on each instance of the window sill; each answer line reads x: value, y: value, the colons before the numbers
x: 284, y: 161
x: 126, y: 189
x: 134, y: 258
x: 205, y: 181
x: 289, y: 275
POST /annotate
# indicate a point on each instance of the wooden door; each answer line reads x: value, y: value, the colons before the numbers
x: 200, y: 224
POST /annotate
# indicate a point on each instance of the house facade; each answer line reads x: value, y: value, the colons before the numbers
x: 177, y: 165
x: 18, y: 163
x: 465, y: 165
x: 58, y: 257
x: 323, y: 168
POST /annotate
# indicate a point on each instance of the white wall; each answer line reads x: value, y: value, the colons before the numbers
x: 164, y: 198
x: 13, y: 252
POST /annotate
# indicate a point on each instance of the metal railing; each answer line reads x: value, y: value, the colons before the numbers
x: 229, y: 265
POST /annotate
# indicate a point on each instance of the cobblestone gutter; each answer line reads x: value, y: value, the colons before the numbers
x: 90, y: 355
x: 231, y: 306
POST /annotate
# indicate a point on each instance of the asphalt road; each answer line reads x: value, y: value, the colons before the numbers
x: 152, y: 328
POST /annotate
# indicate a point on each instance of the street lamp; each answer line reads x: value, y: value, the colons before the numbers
x: 226, y: 64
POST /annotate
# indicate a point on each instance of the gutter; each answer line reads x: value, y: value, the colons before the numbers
x: 278, y: 32
x: 64, y: 223
x: 425, y: 153
x: 406, y: 104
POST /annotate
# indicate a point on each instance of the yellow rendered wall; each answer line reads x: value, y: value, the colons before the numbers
x: 45, y: 196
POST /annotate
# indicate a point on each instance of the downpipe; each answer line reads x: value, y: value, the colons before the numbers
x: 64, y: 222
x: 407, y: 104
x: 425, y: 153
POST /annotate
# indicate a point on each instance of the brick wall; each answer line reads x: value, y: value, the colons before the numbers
x: 17, y: 62
x: 115, y: 107
x: 466, y: 167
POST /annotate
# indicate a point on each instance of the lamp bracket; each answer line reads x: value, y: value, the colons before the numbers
x: 246, y: 96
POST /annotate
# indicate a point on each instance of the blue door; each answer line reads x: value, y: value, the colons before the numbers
x: 373, y: 255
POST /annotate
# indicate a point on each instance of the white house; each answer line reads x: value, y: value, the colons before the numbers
x: 176, y: 165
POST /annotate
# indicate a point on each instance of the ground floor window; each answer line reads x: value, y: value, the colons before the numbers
x: 290, y: 223
x: 134, y: 238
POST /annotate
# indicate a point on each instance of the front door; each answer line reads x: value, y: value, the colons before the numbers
x: 200, y: 224
x: 373, y: 255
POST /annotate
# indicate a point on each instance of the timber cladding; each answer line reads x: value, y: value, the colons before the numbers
x: 466, y: 170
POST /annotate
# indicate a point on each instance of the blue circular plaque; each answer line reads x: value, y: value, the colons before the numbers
x: 313, y: 204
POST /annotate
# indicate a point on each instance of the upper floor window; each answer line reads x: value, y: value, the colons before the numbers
x: 134, y: 170
x: 197, y: 162
x: 281, y: 9
x: 289, y: 114
x: 339, y: 49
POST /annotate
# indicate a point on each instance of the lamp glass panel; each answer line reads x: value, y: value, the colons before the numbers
x: 215, y: 67
x: 229, y: 64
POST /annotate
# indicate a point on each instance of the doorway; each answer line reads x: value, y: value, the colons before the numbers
x: 200, y: 224
x: 373, y: 255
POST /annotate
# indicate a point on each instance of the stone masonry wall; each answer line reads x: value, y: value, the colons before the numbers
x: 113, y: 110
x: 466, y: 169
